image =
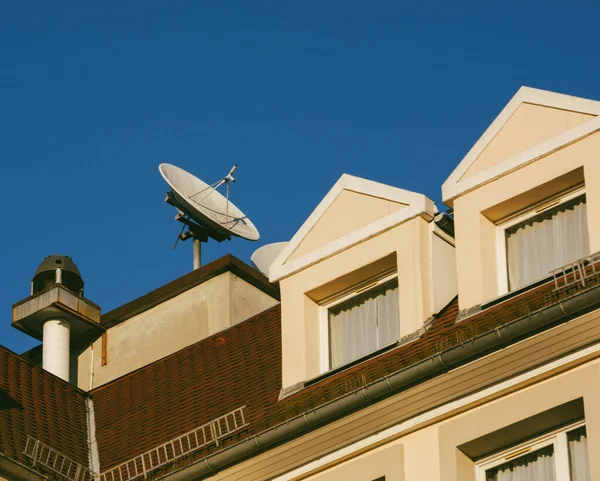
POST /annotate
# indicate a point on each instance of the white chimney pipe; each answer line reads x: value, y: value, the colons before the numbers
x: 55, y: 347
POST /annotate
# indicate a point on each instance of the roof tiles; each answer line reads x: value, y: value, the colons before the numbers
x: 35, y: 403
x: 240, y: 366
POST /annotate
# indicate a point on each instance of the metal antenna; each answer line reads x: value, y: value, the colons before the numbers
x: 179, y: 235
x: 229, y: 178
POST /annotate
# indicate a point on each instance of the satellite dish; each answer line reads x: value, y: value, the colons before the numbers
x: 204, y: 210
x: 264, y: 256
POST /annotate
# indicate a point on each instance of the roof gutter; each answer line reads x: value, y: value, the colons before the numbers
x: 15, y: 471
x: 391, y: 384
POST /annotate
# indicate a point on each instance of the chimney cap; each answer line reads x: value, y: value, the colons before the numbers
x: 53, y: 262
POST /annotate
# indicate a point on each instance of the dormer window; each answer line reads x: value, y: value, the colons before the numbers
x: 362, y: 322
x: 543, y: 239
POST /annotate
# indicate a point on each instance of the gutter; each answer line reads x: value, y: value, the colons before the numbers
x: 389, y: 385
x: 15, y: 471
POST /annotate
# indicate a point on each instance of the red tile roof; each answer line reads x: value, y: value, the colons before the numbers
x: 236, y: 367
x: 240, y: 366
x: 35, y: 403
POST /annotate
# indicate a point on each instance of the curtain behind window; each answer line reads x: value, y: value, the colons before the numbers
x: 545, y: 242
x: 536, y: 466
x: 578, y: 455
x: 364, y: 324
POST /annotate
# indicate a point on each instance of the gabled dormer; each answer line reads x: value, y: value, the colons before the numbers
x: 525, y: 194
x: 367, y: 268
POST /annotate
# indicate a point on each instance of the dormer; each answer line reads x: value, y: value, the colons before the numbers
x: 525, y: 195
x: 368, y: 267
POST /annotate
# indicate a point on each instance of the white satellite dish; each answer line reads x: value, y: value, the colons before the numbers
x: 264, y: 256
x: 204, y: 210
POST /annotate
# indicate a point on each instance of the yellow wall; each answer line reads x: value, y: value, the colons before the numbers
x: 170, y: 326
x: 582, y: 382
x: 409, y: 241
x: 387, y: 461
x: 515, y: 383
x: 528, y: 126
x: 476, y: 233
x: 349, y: 212
x: 433, y: 453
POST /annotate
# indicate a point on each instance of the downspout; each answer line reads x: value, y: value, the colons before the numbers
x: 94, y: 458
x: 388, y: 385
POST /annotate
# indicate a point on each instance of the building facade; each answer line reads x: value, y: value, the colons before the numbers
x: 389, y: 341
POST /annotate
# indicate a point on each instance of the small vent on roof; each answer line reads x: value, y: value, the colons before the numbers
x: 42, y: 454
x: 207, y: 434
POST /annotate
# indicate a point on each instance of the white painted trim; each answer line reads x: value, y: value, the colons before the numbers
x: 556, y: 438
x: 561, y: 454
x: 394, y: 431
x: 417, y: 204
x: 279, y: 270
x: 455, y: 186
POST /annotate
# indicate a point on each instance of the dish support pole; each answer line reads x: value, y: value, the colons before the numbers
x: 197, y: 253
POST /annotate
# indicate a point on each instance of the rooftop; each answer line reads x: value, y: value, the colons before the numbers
x: 181, y: 392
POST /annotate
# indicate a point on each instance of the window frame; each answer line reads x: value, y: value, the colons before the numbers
x: 338, y: 298
x: 556, y: 438
x: 520, y: 217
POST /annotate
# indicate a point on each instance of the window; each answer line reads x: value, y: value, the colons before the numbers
x: 534, y: 244
x: 361, y: 322
x: 559, y: 456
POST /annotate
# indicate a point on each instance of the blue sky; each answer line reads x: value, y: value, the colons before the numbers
x: 93, y: 98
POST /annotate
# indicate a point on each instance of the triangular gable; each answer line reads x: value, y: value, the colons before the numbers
x: 353, y: 210
x: 533, y: 123
x: 348, y: 212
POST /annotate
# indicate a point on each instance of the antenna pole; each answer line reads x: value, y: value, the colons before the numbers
x: 197, y: 253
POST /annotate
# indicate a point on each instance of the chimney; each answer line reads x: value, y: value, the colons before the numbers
x: 57, y: 313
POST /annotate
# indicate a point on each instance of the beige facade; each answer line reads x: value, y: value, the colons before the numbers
x: 349, y: 212
x: 545, y: 152
x: 180, y: 321
x: 423, y: 432
x: 527, y: 127
x: 367, y: 234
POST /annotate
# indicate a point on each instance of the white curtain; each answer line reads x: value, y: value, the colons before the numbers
x: 537, y: 466
x: 546, y: 242
x: 578, y: 455
x: 364, y: 324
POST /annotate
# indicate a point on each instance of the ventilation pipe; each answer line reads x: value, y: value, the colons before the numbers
x: 57, y: 270
x: 55, y: 347
x: 56, y: 311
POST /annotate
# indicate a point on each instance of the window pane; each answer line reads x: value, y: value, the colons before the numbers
x: 545, y: 242
x: 536, y: 466
x: 578, y: 455
x: 363, y: 324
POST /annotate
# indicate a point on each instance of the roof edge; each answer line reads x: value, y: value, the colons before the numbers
x: 150, y: 365
x: 455, y: 185
x: 345, y: 182
x: 11, y: 469
x: 227, y: 263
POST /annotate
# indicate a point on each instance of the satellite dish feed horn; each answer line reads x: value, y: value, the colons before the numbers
x: 203, y: 210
